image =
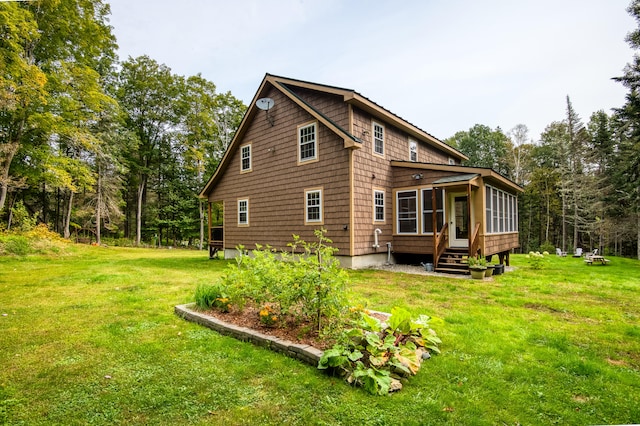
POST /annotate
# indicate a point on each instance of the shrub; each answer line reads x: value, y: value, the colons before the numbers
x: 536, y: 259
x: 17, y: 245
x: 548, y: 247
x: 376, y: 355
x: 306, y: 284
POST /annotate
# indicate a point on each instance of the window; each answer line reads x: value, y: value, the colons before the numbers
x: 452, y: 162
x: 243, y: 212
x: 378, y: 206
x: 313, y: 208
x: 413, y: 150
x: 307, y: 143
x: 407, y: 212
x: 501, y: 211
x: 378, y: 138
x: 427, y: 210
x: 245, y: 158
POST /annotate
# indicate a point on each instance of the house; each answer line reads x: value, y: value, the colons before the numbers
x: 309, y: 155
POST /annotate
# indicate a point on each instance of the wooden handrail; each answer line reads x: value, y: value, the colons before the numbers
x: 440, y: 244
x: 475, y: 241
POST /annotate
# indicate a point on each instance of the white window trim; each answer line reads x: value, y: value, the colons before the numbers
x: 373, y: 138
x: 413, y: 143
x: 246, y: 201
x: 397, y: 213
x: 319, y: 221
x: 384, y: 208
x: 315, y: 157
x: 250, y: 168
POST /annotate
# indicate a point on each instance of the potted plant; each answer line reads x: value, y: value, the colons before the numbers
x: 477, y: 267
x: 490, y: 270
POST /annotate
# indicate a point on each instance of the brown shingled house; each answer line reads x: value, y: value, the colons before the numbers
x: 308, y: 155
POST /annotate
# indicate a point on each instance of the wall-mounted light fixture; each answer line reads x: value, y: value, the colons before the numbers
x: 417, y: 176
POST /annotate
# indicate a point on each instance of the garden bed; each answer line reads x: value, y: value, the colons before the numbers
x: 293, y: 340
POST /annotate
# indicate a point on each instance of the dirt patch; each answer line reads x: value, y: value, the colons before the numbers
x: 298, y: 332
x: 294, y: 331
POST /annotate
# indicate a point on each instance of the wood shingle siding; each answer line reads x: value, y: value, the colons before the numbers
x: 346, y: 170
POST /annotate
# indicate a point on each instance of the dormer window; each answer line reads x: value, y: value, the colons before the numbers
x: 378, y: 139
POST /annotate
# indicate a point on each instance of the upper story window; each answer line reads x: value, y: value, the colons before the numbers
x: 245, y: 158
x: 413, y: 150
x: 313, y: 206
x: 407, y: 212
x: 307, y: 143
x: 378, y: 205
x: 378, y: 138
x: 243, y: 212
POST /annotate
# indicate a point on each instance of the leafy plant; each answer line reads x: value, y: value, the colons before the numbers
x: 376, y: 356
x: 536, y: 260
x: 477, y: 262
x: 268, y: 316
x: 306, y: 284
x: 212, y: 296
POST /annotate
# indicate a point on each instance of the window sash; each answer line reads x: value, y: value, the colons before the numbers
x: 246, y: 158
x: 307, y: 142
x: 407, y: 212
x: 413, y: 150
x: 243, y: 212
x: 378, y: 206
x: 378, y: 138
x: 313, y: 209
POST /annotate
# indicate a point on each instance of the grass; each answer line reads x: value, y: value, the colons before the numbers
x: 90, y: 337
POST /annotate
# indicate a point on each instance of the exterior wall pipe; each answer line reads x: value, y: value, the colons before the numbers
x: 377, y: 232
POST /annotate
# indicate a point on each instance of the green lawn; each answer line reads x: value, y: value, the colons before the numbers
x: 90, y: 337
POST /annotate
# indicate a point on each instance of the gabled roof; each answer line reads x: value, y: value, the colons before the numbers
x: 467, y: 173
x: 284, y: 85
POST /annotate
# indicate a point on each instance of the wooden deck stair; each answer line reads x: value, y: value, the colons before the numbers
x: 451, y: 261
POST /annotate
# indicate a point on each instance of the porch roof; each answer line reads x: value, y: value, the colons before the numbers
x: 456, y: 179
x: 465, y: 173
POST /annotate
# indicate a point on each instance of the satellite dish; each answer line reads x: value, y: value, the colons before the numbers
x: 265, y: 104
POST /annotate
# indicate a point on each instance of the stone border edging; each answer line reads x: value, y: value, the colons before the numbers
x: 306, y: 353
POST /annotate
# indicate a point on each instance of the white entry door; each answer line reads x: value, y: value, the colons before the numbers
x: 458, y: 220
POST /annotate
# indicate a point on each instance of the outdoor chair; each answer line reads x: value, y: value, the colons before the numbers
x: 578, y: 252
x: 560, y: 252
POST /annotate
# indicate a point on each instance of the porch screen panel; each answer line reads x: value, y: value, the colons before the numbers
x: 494, y: 210
x: 407, y: 214
x: 427, y: 211
x: 501, y: 211
x: 488, y: 210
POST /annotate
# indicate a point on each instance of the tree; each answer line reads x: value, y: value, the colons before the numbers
x: 628, y: 130
x: 22, y: 92
x: 520, y: 149
x: 484, y: 147
x: 147, y: 92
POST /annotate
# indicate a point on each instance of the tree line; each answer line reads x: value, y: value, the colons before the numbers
x: 581, y: 181
x: 97, y: 147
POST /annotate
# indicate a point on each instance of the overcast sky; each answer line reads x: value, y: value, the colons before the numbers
x: 441, y: 65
